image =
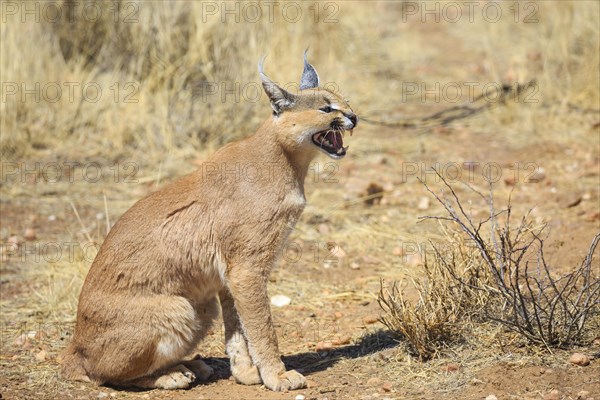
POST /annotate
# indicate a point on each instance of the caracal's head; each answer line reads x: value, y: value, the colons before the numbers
x: 313, y: 119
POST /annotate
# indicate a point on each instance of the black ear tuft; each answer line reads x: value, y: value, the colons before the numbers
x: 310, y: 78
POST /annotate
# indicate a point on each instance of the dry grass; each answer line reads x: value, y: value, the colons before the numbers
x: 490, y: 271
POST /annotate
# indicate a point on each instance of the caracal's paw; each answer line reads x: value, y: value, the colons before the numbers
x: 246, y: 374
x: 199, y: 368
x: 178, y: 377
x: 289, y: 380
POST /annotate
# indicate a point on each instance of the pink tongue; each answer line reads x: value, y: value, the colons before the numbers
x: 337, y: 139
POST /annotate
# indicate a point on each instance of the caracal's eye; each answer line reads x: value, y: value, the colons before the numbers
x: 326, y: 109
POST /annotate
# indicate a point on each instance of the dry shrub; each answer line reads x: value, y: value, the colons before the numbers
x: 504, y: 278
x: 447, y: 300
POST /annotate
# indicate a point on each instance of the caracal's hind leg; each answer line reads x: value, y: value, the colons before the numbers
x: 178, y: 377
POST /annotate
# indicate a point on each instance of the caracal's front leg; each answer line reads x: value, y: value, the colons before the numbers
x: 249, y: 291
x: 242, y: 368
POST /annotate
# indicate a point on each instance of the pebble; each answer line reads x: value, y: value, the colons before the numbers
x: 580, y: 359
x: 327, y: 389
x: 537, y: 176
x: 452, y: 367
x: 29, y: 234
x: 423, y: 203
x: 491, y: 397
x: 552, y: 395
x: 300, y: 397
x: 336, y: 251
x: 324, y: 229
x: 41, y: 356
x: 280, y: 300
x: 397, y: 251
x: 324, y: 346
x: 387, y: 386
x: 510, y: 181
x: 102, y: 395
x: 354, y: 265
x: 370, y: 319
x: 342, y: 340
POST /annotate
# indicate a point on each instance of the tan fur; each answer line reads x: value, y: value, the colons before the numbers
x: 151, y: 293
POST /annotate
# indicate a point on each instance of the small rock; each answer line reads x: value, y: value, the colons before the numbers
x: 41, y: 356
x: 354, y: 265
x: 374, y: 194
x: 102, y: 395
x: 476, y: 381
x: 491, y: 397
x: 583, y: 395
x: 510, y: 181
x: 397, y: 251
x: 370, y: 319
x: 327, y: 389
x: 336, y: 251
x: 594, y: 216
x: 537, y: 176
x: 373, y: 381
x: 300, y: 397
x: 580, y: 359
x: 452, y: 367
x: 553, y: 395
x: 342, y: 340
x: 338, y: 315
x: 423, y: 203
x: 279, y: 300
x: 323, y: 229
x: 324, y: 346
x: 29, y: 234
x: 387, y: 386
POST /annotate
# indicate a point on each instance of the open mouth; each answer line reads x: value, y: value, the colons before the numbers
x: 331, y: 142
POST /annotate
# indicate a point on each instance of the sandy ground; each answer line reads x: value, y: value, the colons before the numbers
x: 330, y: 332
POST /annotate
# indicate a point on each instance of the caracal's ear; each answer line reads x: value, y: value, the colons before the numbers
x: 281, y: 99
x: 310, y: 78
